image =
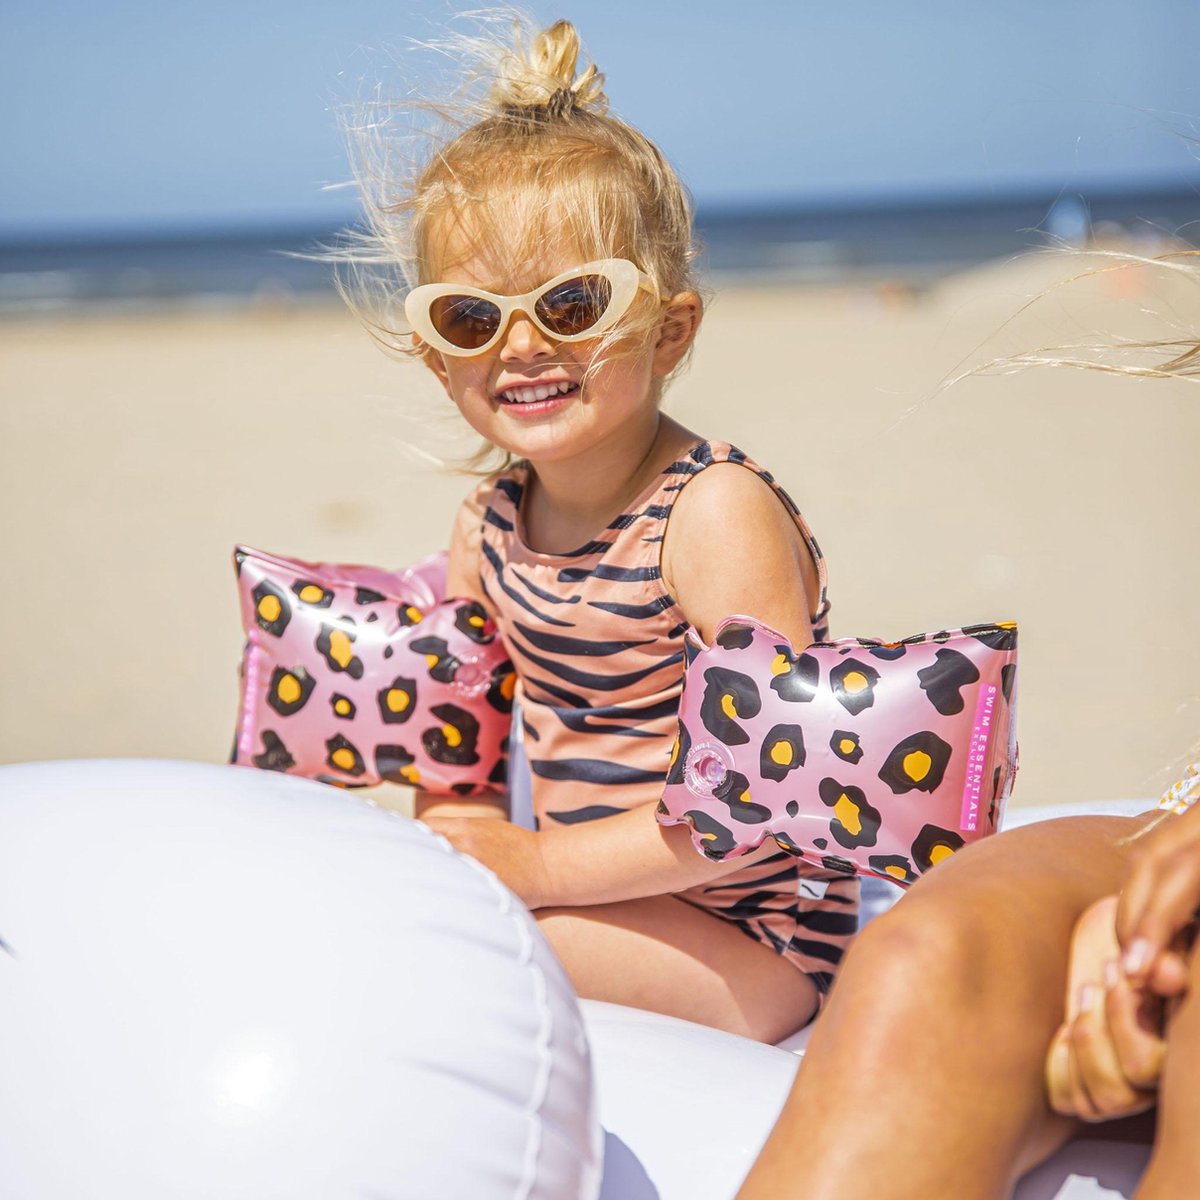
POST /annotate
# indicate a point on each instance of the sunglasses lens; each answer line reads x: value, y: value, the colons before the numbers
x: 467, y: 322
x: 575, y: 306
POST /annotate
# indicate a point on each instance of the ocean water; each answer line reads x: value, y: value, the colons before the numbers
x: 909, y: 240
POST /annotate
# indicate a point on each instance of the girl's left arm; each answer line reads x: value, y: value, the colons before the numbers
x: 730, y: 548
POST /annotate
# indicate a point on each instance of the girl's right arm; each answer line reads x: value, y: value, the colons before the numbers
x: 462, y: 580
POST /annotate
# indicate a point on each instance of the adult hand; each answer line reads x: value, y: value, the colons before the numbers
x: 1158, y: 904
x: 1106, y: 1058
x: 510, y: 851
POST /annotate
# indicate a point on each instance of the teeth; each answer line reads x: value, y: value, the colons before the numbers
x: 534, y: 392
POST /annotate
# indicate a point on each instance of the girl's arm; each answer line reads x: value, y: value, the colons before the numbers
x: 731, y: 547
x: 462, y: 579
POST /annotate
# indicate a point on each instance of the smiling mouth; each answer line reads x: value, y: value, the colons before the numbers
x: 533, y: 393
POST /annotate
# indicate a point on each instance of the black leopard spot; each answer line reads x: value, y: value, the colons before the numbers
x: 456, y: 740
x: 894, y: 866
x: 735, y: 637
x: 835, y: 862
x: 792, y: 808
x: 855, y: 823
x: 728, y: 695
x: 785, y: 843
x: 820, y: 843
x: 1001, y: 636
x: 679, y: 753
x: 388, y: 651
x: 463, y: 789
x: 409, y: 614
x: 715, y: 840
x: 889, y: 651
x: 440, y: 663
x: 366, y: 595
x: 272, y: 610
x: 691, y: 652
x: 782, y: 751
x: 944, y: 680
x: 794, y: 677
x: 471, y: 619
x: 397, y: 700
x: 502, y: 688
x: 289, y: 690
x: 734, y: 792
x: 918, y: 763
x: 343, y: 707
x: 275, y: 755
x: 853, y: 685
x: 312, y: 593
x: 342, y: 755
x: 1008, y: 676
x: 499, y: 772
x: 846, y: 746
x: 396, y: 765
x: 335, y: 645
x: 933, y: 845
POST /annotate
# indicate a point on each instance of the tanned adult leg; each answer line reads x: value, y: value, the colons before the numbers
x: 924, y: 1075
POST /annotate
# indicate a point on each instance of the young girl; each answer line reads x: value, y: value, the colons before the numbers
x: 929, y: 1075
x: 551, y: 245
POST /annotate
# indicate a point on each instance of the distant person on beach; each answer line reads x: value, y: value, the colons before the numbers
x: 550, y: 245
x: 944, y: 1063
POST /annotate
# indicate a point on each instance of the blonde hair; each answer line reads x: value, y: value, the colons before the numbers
x: 524, y: 151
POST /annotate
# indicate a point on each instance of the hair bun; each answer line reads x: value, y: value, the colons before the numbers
x: 540, y: 76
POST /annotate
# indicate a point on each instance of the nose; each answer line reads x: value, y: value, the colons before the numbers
x: 523, y: 341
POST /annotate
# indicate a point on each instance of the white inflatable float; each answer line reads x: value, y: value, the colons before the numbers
x: 227, y: 983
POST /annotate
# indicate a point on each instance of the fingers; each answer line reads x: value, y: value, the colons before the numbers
x: 1105, y: 1062
x: 1162, y: 894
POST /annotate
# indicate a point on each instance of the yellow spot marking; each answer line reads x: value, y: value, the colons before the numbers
x: 415, y: 615
x: 728, y: 707
x: 744, y: 797
x: 509, y: 686
x: 411, y: 774
x: 339, y: 648
x: 342, y: 758
x: 674, y: 754
x: 477, y: 621
x: 855, y: 681
x: 938, y: 853
x: 846, y: 746
x: 895, y: 872
x: 709, y: 837
x: 781, y: 753
x: 452, y: 735
x: 269, y: 608
x: 342, y: 707
x: 1007, y: 624
x: 288, y: 690
x: 397, y: 700
x: 779, y: 664
x: 311, y: 594
x: 847, y: 812
x: 916, y: 765
x: 431, y: 660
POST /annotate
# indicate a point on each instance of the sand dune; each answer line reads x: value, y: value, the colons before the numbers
x: 136, y: 450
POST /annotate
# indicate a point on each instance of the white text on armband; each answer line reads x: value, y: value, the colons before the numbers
x: 977, y: 758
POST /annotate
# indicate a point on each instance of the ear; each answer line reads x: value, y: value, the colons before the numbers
x: 676, y: 331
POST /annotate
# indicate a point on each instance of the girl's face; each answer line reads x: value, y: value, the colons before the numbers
x: 550, y: 401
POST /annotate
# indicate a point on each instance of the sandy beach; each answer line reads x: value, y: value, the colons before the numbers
x: 135, y: 450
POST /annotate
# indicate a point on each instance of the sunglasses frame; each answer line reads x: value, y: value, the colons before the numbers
x: 625, y: 278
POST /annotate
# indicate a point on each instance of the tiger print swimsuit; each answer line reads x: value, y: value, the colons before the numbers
x: 597, y: 641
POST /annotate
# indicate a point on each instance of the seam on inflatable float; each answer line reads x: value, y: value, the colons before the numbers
x: 541, y: 1081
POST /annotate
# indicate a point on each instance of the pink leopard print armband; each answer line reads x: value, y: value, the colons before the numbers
x: 858, y: 756
x: 353, y: 675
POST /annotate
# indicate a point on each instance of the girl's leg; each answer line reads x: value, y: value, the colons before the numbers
x: 1174, y: 1168
x: 924, y: 1075
x: 670, y: 957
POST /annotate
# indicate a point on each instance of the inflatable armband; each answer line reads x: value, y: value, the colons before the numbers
x: 353, y: 675
x: 860, y: 756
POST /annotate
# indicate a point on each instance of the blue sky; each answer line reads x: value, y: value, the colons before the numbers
x: 143, y: 115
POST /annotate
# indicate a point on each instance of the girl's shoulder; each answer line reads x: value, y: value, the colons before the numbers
x: 494, y: 499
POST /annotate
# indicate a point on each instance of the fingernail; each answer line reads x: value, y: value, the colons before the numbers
x: 1112, y: 973
x: 1089, y: 994
x: 1137, y: 957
